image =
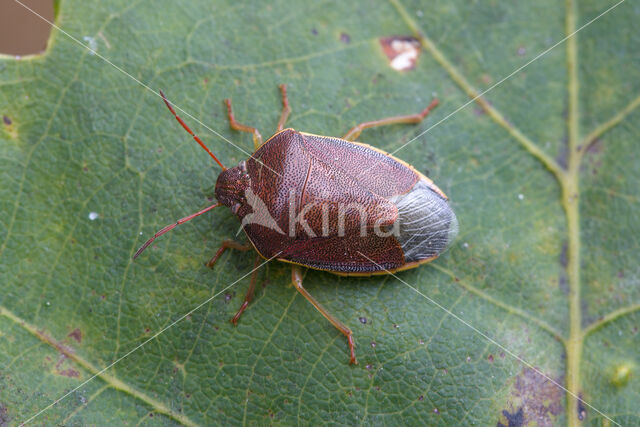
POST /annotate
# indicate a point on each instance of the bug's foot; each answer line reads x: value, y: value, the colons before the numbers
x: 352, y: 349
x: 235, y: 318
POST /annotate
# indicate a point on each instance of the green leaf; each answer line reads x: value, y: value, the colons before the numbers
x: 541, y: 170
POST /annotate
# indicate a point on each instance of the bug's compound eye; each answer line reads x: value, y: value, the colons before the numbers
x: 243, y: 166
x: 234, y: 208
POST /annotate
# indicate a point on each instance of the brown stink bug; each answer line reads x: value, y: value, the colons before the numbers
x: 331, y: 204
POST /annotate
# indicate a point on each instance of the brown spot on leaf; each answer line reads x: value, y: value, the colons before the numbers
x: 513, y: 420
x: 76, y: 334
x: 71, y: 373
x: 4, y: 415
x: 7, y: 121
x: 582, y: 410
x: 402, y: 51
x: 534, y: 400
x: 345, y: 38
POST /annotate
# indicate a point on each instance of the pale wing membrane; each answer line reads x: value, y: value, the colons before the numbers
x: 427, y: 224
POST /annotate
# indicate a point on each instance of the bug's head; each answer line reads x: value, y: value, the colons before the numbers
x: 231, y: 187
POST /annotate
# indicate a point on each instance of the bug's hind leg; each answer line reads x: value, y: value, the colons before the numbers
x: 286, y: 110
x: 249, y: 296
x: 355, y: 131
x: 296, y: 276
x: 227, y: 244
x: 257, y: 138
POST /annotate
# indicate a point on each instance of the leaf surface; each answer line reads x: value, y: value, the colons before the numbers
x: 541, y: 171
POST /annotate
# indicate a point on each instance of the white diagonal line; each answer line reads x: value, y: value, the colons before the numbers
x: 491, y: 340
x: 136, y: 80
x: 145, y: 342
x: 540, y: 55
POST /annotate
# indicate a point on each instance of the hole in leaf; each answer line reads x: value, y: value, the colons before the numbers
x: 22, y: 32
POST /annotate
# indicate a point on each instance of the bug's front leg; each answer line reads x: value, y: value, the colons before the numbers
x: 226, y: 244
x: 296, y: 276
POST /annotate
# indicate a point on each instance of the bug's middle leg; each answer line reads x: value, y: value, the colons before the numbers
x: 286, y: 110
x: 249, y: 296
x: 296, y: 276
x: 355, y: 131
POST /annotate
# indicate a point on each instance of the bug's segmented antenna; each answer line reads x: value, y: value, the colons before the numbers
x: 172, y: 226
x: 184, y: 125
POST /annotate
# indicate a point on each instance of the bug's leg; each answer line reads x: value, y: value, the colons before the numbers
x: 286, y: 110
x: 355, y: 131
x: 250, y: 291
x: 296, y: 276
x: 226, y: 244
x: 257, y: 138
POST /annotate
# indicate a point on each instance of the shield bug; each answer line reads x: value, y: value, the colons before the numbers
x: 331, y: 204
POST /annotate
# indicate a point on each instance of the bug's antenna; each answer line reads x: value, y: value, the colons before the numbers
x: 184, y: 125
x: 172, y: 226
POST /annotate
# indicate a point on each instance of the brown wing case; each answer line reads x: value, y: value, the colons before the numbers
x: 285, y: 171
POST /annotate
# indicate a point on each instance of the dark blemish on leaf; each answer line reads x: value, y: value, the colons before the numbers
x: 421, y: 342
x: 436, y: 411
x: 582, y: 410
x: 401, y: 51
x: 147, y: 330
x: 369, y: 366
x: 490, y: 358
x: 345, y: 38
x: 421, y: 398
x: 564, y: 152
x: 76, y: 334
x: 363, y: 320
x: 7, y: 121
x: 595, y: 146
x: 373, y: 344
x: 563, y: 283
x: 188, y: 396
x: 564, y: 258
x: 229, y: 296
x: 71, y: 373
x: 4, y: 415
x: 396, y: 326
x: 314, y: 31
x: 513, y: 420
x: 468, y: 358
x: 151, y: 414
